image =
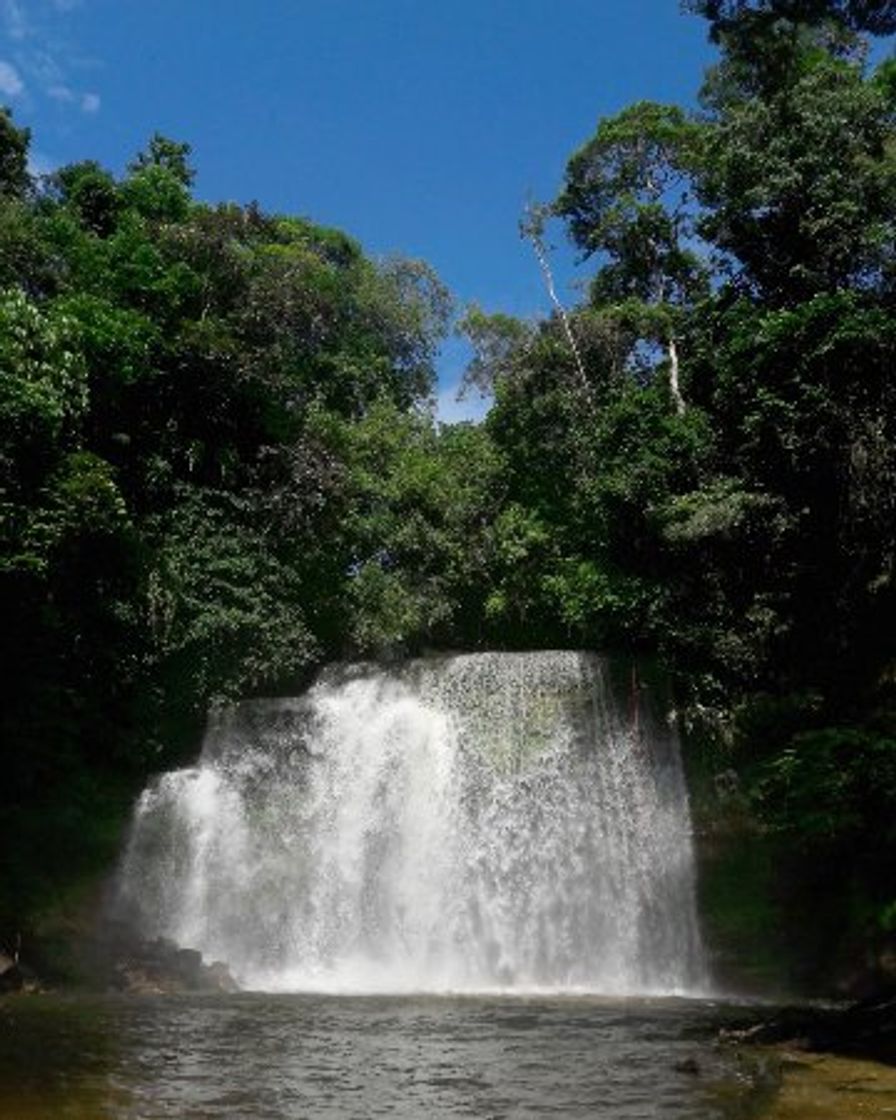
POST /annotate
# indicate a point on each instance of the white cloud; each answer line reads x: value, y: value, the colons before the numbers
x: 43, y: 68
x: 45, y: 59
x: 10, y: 82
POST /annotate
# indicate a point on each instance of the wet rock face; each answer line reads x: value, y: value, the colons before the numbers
x: 159, y: 967
x: 116, y: 958
x: 121, y: 960
x: 15, y: 976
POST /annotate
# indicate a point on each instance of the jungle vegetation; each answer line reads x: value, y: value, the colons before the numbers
x: 220, y: 467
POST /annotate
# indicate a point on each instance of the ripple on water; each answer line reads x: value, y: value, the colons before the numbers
x: 262, y: 1057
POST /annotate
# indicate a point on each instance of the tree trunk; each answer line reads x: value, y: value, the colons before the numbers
x: 674, y: 387
x: 532, y: 232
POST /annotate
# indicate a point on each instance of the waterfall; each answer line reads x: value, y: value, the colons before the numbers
x: 485, y: 821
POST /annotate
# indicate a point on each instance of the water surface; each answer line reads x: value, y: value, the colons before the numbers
x: 272, y: 1057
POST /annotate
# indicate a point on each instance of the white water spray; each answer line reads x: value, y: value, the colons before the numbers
x: 489, y: 821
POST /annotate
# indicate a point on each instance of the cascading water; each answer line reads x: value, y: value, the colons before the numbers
x: 463, y: 823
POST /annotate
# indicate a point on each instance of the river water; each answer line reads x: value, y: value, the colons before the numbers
x: 285, y: 1057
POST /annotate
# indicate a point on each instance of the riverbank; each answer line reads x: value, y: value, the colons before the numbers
x: 865, y: 1030
x: 832, y: 1063
x: 830, y: 1087
x: 119, y: 961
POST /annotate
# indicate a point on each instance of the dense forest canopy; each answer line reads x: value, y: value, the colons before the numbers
x: 220, y: 465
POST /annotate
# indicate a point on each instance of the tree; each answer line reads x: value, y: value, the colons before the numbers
x: 171, y: 155
x: 15, y: 180
x: 177, y: 525
x: 498, y: 341
x: 91, y: 192
x: 415, y: 527
x: 877, y: 17
x: 800, y: 186
x: 626, y: 198
x: 43, y: 389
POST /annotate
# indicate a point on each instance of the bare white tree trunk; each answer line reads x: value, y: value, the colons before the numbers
x: 674, y: 386
x: 531, y: 229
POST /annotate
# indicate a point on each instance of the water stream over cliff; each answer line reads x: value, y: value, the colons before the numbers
x: 469, y: 823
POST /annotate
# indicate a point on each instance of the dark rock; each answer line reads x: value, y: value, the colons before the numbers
x: 865, y: 1029
x: 187, y: 964
x: 687, y: 1065
x: 159, y: 967
x: 11, y: 979
x: 17, y: 977
x: 218, y: 977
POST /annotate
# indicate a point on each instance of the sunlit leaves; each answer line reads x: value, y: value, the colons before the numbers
x: 43, y: 383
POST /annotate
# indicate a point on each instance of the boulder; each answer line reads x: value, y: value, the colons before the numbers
x: 159, y: 966
x: 16, y: 976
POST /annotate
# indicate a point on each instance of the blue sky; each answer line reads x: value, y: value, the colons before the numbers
x: 421, y: 127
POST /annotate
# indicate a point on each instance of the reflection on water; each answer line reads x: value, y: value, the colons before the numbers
x: 262, y: 1057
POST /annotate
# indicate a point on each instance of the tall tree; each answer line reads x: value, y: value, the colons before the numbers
x: 877, y: 17
x: 626, y: 198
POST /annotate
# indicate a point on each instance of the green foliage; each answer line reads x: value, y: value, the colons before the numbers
x: 224, y: 606
x: 617, y: 189
x: 14, y: 178
x: 723, y: 489
x: 718, y: 512
x: 800, y: 186
x: 833, y: 784
x: 498, y: 341
x: 43, y: 389
x: 79, y: 502
x: 219, y: 463
x: 419, y: 503
x: 193, y: 400
x: 887, y: 917
x: 627, y: 198
x: 157, y: 194
x: 91, y: 193
x: 598, y: 599
x: 875, y: 16
x: 169, y: 155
